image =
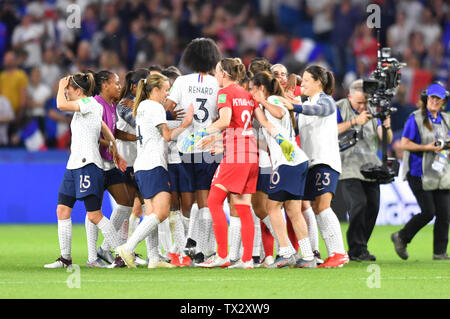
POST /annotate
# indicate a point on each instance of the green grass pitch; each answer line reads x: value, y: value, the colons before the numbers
x: 24, y: 249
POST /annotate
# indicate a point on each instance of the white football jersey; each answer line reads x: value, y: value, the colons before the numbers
x: 319, y: 136
x: 151, y: 146
x: 86, y: 126
x: 174, y: 155
x: 284, y: 126
x: 127, y: 149
x: 201, y: 92
x: 264, y: 157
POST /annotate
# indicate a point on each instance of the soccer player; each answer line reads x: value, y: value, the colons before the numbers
x: 317, y: 124
x: 237, y: 173
x: 287, y: 181
x: 176, y: 220
x: 83, y: 178
x: 197, y: 168
x: 259, y: 199
x: 127, y: 123
x: 151, y: 164
x: 108, y: 89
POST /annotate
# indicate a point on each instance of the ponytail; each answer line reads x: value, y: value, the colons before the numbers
x: 145, y: 87
x: 127, y: 85
x: 141, y: 95
x: 234, y: 68
x: 329, y: 85
x: 83, y: 81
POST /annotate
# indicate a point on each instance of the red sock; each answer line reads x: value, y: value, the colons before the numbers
x: 216, y: 198
x: 291, y: 233
x: 247, y: 230
x: 267, y: 240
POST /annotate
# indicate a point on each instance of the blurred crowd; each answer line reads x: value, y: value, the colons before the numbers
x: 43, y: 40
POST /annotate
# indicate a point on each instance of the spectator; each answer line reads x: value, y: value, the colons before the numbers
x: 346, y: 17
x: 13, y: 84
x: 6, y: 117
x: 50, y: 71
x: 437, y: 63
x: 365, y: 45
x: 429, y: 28
x: 28, y: 35
x: 57, y: 123
x: 251, y: 36
x: 38, y: 93
x: 321, y: 12
x: 89, y: 23
x: 417, y: 45
x: 398, y: 34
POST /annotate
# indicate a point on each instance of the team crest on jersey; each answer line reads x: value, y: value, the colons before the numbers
x: 222, y: 98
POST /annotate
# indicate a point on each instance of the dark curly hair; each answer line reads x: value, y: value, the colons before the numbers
x: 201, y: 55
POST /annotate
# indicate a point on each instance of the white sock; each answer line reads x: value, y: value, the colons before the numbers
x: 330, y: 230
x: 194, y: 224
x: 65, y: 237
x: 149, y: 223
x: 151, y: 241
x: 235, y: 238
x: 313, y: 232
x: 118, y: 216
x: 257, y: 239
x: 186, y: 225
x: 92, y: 237
x: 133, y: 224
x: 177, y: 229
x: 210, y: 247
x: 205, y: 229
x: 305, y: 248
x: 286, y: 251
x: 164, y: 237
x: 109, y: 232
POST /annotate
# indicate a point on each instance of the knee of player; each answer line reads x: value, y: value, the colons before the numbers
x: 63, y: 212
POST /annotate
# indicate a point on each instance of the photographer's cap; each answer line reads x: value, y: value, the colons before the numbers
x: 436, y: 90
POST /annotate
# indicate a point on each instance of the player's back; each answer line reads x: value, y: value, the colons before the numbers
x: 239, y: 136
x: 200, y: 91
x: 85, y: 127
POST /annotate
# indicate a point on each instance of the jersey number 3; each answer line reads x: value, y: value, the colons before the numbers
x: 204, y: 109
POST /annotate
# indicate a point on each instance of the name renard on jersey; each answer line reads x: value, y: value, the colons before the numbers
x: 201, y: 90
x: 243, y: 102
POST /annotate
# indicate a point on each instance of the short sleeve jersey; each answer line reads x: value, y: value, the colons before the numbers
x: 126, y: 148
x: 284, y: 126
x: 151, y: 146
x: 86, y: 127
x: 239, y: 137
x: 200, y: 91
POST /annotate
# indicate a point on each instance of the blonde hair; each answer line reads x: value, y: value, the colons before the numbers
x: 145, y: 87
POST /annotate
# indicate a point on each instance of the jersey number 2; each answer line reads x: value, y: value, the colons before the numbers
x: 246, y: 117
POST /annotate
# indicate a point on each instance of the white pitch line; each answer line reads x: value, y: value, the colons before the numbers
x: 208, y: 279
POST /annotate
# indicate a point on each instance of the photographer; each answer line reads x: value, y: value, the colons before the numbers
x: 425, y: 159
x: 361, y: 195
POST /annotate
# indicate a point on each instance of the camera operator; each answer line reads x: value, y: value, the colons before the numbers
x: 361, y: 195
x: 425, y: 159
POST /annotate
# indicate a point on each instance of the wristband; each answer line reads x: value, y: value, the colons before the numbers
x: 298, y: 108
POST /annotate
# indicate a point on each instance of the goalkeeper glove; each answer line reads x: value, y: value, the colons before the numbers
x: 190, y: 140
x: 286, y: 147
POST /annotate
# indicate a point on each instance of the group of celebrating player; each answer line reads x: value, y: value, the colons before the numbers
x: 175, y: 147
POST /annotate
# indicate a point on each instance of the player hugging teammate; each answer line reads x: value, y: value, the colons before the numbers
x: 192, y: 142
